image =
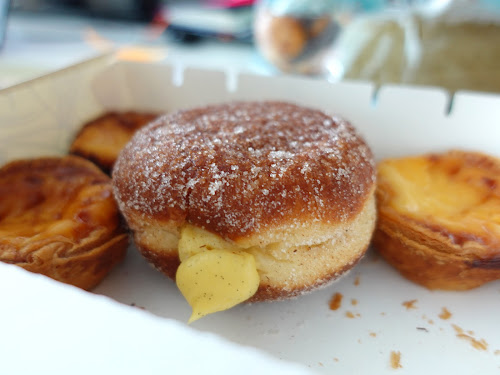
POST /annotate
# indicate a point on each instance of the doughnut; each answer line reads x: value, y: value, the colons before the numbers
x: 439, y: 221
x: 58, y: 218
x: 101, y: 139
x: 258, y: 201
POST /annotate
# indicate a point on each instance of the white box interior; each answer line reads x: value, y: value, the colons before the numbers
x: 41, y: 117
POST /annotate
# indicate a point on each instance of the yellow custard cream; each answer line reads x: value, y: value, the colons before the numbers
x: 214, y: 275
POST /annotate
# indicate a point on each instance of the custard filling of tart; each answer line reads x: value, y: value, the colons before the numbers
x: 458, y: 198
x: 214, y: 275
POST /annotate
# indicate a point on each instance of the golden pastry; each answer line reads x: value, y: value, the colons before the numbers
x: 439, y: 218
x: 58, y: 217
x: 101, y: 139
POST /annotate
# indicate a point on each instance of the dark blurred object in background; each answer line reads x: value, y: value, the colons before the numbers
x: 185, y: 20
x: 123, y: 10
x: 191, y: 21
x: 138, y: 10
x: 4, y: 12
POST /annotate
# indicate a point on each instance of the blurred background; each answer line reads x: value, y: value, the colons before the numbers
x: 454, y: 44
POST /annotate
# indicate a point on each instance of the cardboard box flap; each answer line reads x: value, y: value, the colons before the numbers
x: 58, y: 329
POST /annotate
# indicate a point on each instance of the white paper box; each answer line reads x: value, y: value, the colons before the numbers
x: 41, y: 117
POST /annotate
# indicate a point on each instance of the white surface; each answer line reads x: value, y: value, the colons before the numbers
x: 395, y: 121
x: 51, y: 328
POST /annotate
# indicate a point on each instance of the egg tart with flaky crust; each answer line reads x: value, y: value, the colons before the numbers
x: 58, y: 217
x: 439, y: 218
x: 102, y: 139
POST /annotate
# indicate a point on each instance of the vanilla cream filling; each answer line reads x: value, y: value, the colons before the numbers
x: 214, y: 275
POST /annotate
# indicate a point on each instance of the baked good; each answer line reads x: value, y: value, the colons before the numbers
x: 439, y: 221
x: 295, y: 41
x: 58, y: 217
x: 288, y: 188
x: 287, y: 36
x: 101, y: 139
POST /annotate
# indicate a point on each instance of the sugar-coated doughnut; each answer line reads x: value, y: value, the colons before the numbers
x: 290, y: 185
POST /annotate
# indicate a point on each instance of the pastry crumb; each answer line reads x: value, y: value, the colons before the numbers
x: 350, y: 315
x: 457, y: 329
x: 445, y: 314
x: 396, y: 360
x: 476, y: 344
x: 479, y: 344
x: 373, y: 334
x: 410, y: 304
x: 356, y: 281
x: 354, y: 301
x: 335, y: 301
x: 336, y: 359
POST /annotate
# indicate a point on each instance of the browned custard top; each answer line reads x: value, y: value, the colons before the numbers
x: 52, y: 200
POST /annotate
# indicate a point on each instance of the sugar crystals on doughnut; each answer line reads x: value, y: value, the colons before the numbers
x: 290, y: 185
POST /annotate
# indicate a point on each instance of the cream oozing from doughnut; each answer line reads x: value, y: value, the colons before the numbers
x: 291, y: 183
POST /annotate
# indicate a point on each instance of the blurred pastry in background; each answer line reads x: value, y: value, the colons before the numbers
x: 102, y: 139
x: 295, y: 35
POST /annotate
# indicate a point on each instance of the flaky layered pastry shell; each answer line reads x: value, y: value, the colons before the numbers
x: 58, y: 217
x: 439, y: 218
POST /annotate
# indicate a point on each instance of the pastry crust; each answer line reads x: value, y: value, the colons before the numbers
x: 447, y: 238
x: 58, y: 217
x: 102, y: 139
x: 291, y: 185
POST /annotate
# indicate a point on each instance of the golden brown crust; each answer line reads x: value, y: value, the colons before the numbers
x: 236, y: 168
x: 426, y: 250
x: 102, y: 139
x: 58, y: 217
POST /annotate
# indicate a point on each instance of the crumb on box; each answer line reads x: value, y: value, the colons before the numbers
x: 356, y: 281
x: 335, y: 301
x: 396, y: 359
x: 410, y: 304
x: 445, y: 314
x: 354, y: 301
x: 349, y: 314
x: 479, y: 344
